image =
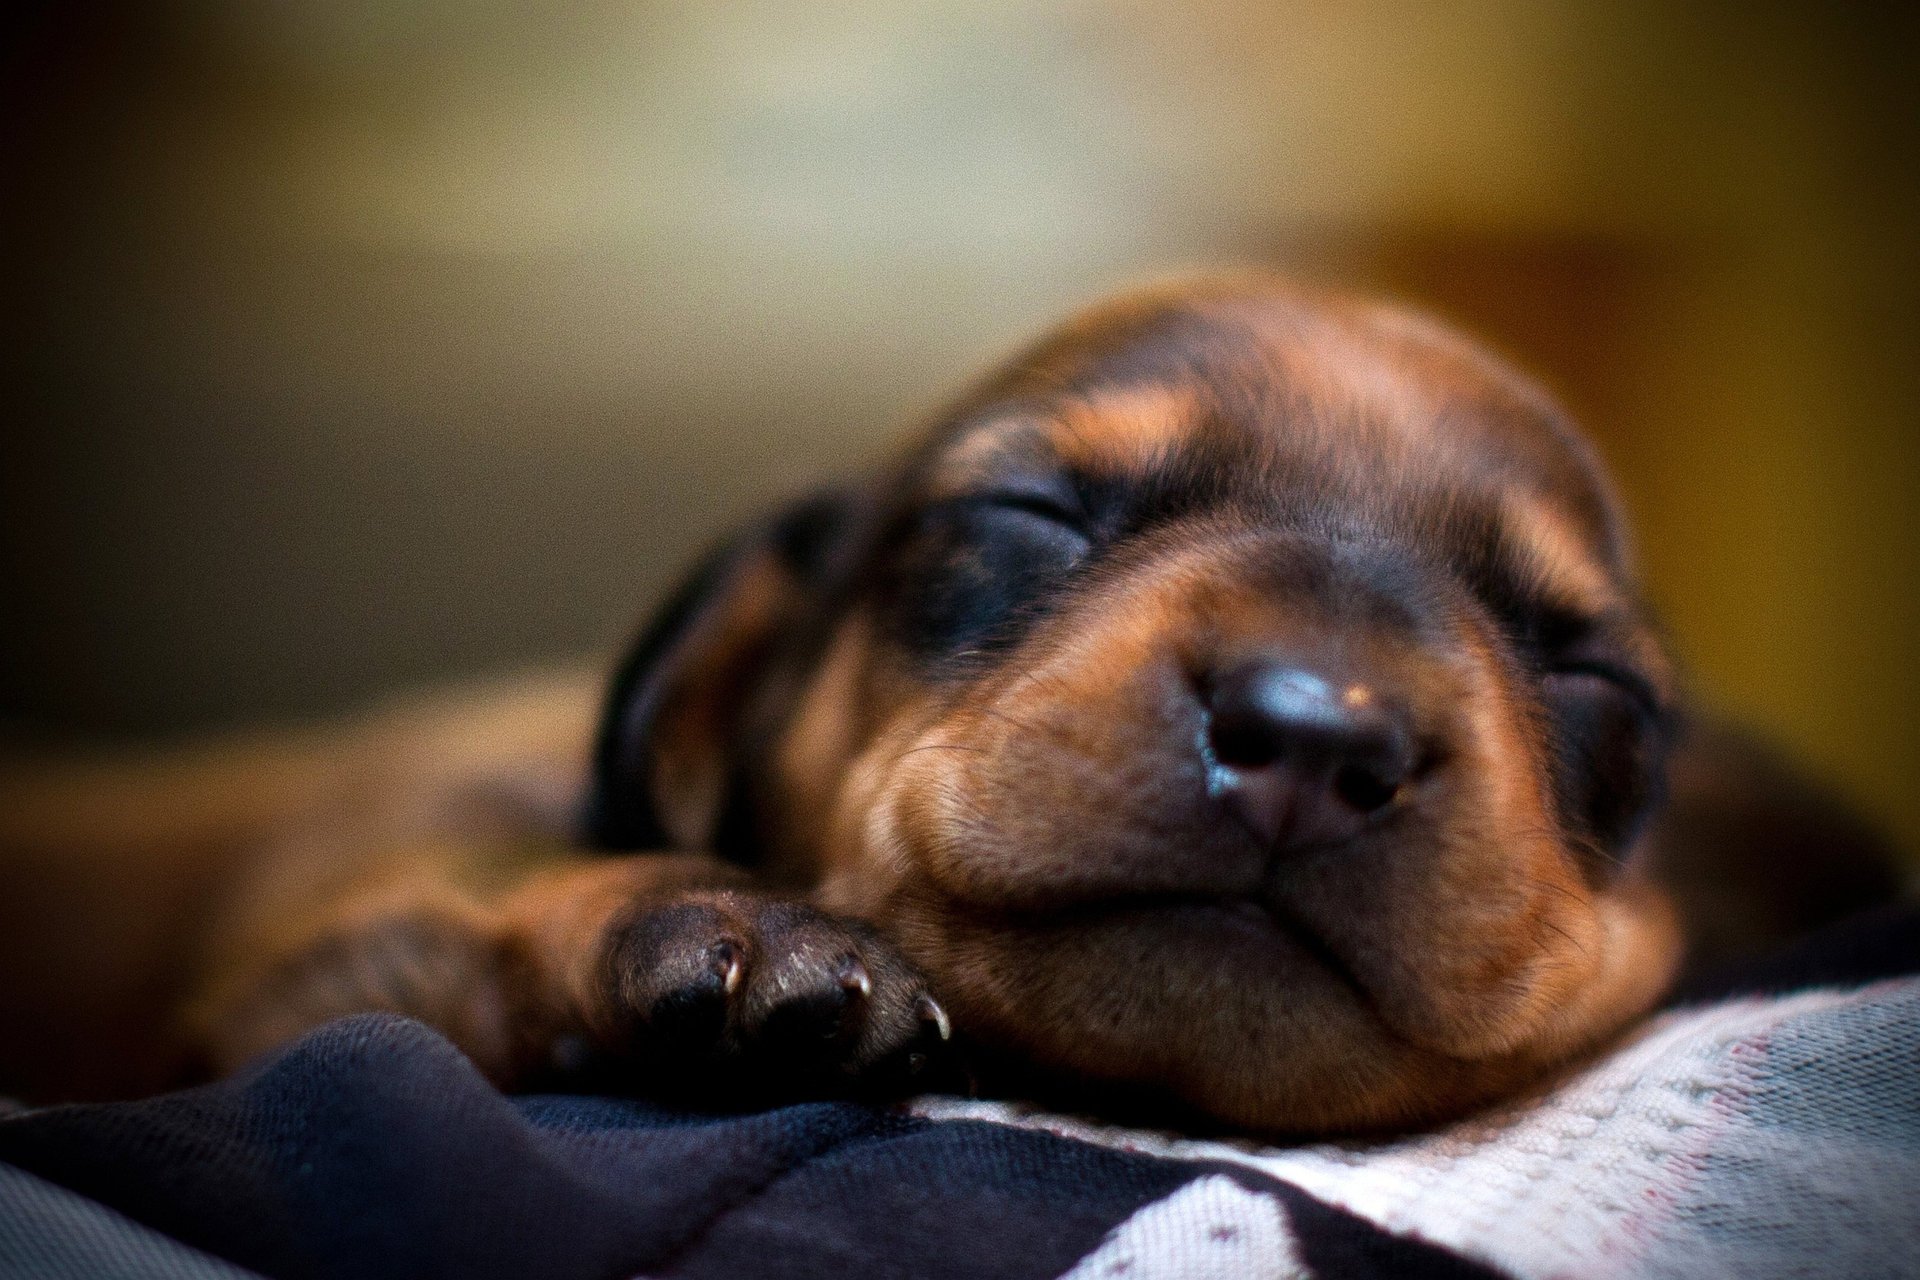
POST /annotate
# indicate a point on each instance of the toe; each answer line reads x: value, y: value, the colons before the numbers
x: 812, y: 1006
x: 694, y: 1011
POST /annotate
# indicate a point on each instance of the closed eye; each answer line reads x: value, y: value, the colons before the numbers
x: 977, y: 569
x: 1059, y: 508
x: 1576, y: 645
x: 1048, y: 531
x: 1611, y: 673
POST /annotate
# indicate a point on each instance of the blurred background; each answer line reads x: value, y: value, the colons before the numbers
x: 361, y: 344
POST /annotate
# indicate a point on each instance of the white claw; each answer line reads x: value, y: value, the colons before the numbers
x: 930, y: 1008
x: 852, y: 976
x: 732, y: 978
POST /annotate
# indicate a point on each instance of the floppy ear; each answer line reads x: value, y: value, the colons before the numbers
x: 670, y: 744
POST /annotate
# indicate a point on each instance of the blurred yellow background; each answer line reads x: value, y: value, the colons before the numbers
x: 366, y: 343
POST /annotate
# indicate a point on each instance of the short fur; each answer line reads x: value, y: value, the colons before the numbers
x: 933, y: 752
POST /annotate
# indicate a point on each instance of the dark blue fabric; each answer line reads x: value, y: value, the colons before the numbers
x: 372, y: 1148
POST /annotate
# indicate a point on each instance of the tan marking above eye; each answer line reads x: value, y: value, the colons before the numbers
x: 1120, y: 430
x: 1579, y: 582
x: 991, y: 448
x: 1123, y: 429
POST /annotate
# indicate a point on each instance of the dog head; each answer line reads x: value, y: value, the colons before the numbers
x: 1241, y: 697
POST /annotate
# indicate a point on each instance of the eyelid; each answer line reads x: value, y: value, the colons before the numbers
x: 1059, y: 505
x: 1613, y: 673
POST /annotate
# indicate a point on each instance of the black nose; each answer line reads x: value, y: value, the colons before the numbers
x: 1299, y: 759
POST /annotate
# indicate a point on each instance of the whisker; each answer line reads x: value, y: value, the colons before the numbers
x: 1565, y: 890
x: 1585, y: 845
x: 1576, y: 943
x: 939, y: 746
x: 1015, y: 721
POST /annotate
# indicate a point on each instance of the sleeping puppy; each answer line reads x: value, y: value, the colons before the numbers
x: 1240, y: 703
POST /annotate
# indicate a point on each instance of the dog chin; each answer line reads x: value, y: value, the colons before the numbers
x: 1229, y: 1008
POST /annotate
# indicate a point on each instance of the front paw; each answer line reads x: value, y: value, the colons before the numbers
x: 742, y: 993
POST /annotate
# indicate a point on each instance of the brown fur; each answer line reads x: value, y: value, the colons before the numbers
x: 1017, y: 828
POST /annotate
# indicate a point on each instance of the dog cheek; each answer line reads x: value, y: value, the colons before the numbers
x: 814, y: 757
x: 871, y: 851
x: 1073, y: 782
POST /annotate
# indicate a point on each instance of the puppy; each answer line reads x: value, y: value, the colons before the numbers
x: 1239, y: 703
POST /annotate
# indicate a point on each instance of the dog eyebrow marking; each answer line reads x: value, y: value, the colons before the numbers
x: 1526, y: 560
x: 1555, y: 556
x: 1003, y: 464
x: 1007, y: 448
x: 1107, y: 431
x: 1120, y: 429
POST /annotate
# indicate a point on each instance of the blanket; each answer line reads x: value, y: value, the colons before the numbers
x: 1766, y: 1125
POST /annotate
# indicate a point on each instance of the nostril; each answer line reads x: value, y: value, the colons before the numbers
x: 1244, y: 741
x: 1364, y: 789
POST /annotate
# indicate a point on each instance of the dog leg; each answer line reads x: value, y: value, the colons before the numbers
x: 656, y: 971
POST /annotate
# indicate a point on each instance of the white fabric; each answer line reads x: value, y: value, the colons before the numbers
x: 1210, y: 1229
x: 1757, y: 1138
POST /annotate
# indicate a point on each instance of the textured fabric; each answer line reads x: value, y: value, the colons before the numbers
x: 372, y: 1148
x: 1749, y: 1133
x: 1761, y: 1137
x: 49, y: 1233
x: 1211, y: 1229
